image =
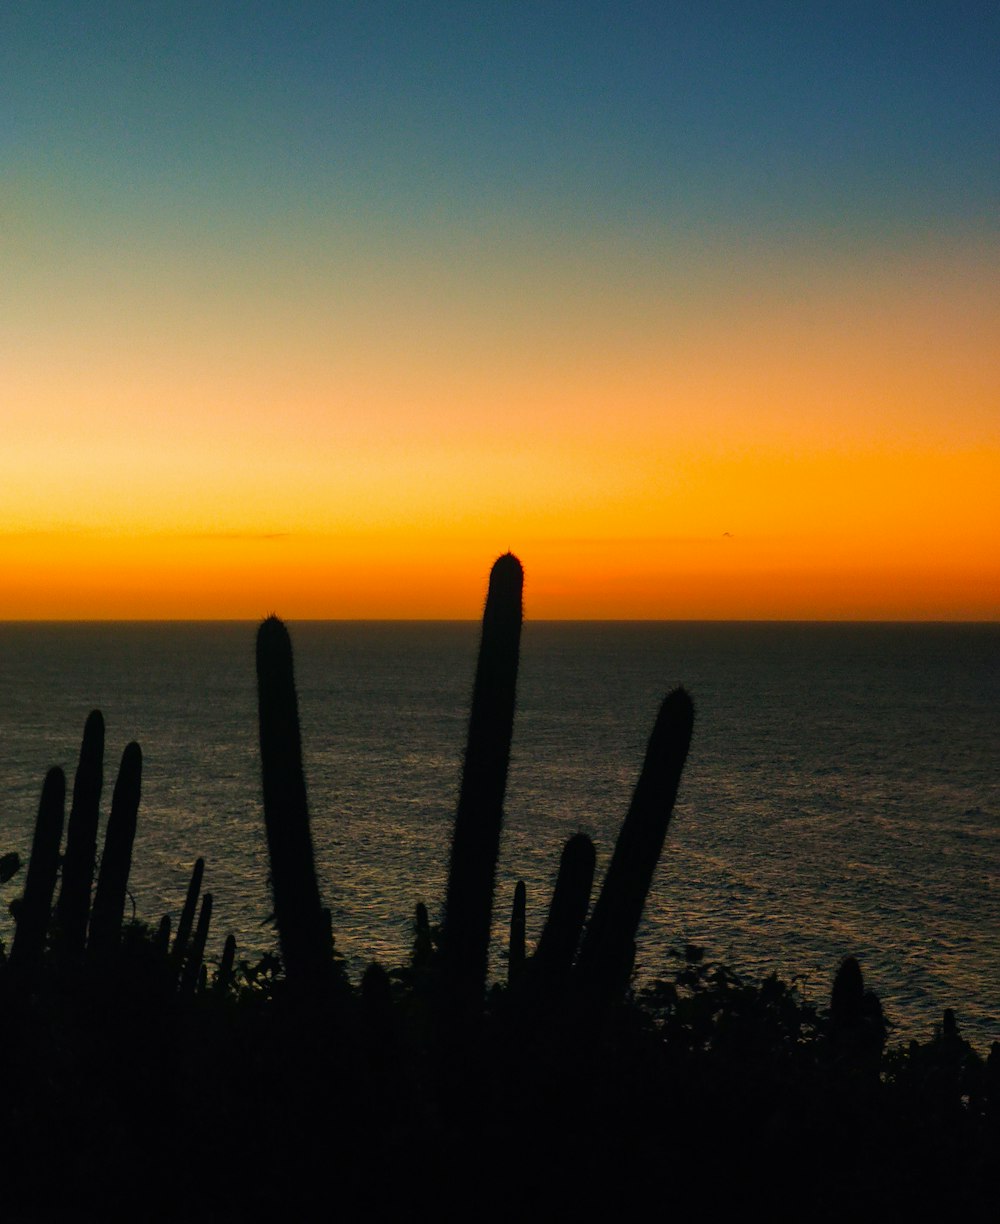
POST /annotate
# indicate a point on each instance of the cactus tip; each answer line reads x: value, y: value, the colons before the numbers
x: 679, y: 703
x: 272, y: 628
x: 509, y: 561
x: 507, y: 568
x: 274, y: 645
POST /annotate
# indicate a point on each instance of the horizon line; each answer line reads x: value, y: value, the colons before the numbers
x: 469, y: 620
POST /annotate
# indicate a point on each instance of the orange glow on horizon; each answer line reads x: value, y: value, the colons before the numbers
x: 73, y: 577
x: 780, y: 440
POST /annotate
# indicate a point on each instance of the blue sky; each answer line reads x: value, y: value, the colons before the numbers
x: 746, y: 114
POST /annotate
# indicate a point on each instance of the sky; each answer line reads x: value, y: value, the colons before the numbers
x: 316, y: 308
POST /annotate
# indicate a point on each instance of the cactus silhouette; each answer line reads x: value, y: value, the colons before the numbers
x: 423, y: 947
x: 36, y: 904
x: 161, y: 941
x: 476, y: 838
x: 848, y: 993
x: 518, y: 923
x: 857, y: 1025
x: 302, y: 926
x: 608, y: 948
x: 186, y: 921
x: 376, y: 999
x: 560, y: 938
x: 193, y: 963
x: 73, y: 908
x: 116, y: 862
x: 224, y: 977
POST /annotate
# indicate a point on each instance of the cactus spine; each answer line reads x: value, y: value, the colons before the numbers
x: 36, y: 904
x: 608, y: 949
x: 305, y: 947
x: 476, y: 839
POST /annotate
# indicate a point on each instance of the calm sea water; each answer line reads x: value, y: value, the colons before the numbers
x: 842, y: 793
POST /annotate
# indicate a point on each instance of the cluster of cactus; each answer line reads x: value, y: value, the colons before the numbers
x: 589, y: 962
x: 84, y: 925
x: 583, y: 961
x: 594, y: 960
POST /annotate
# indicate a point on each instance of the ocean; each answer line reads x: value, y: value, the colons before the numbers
x: 842, y: 793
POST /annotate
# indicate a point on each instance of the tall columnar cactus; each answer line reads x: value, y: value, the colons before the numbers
x: 560, y: 939
x: 116, y: 862
x: 302, y: 929
x: 36, y: 904
x: 476, y: 839
x: 73, y: 908
x: 608, y: 949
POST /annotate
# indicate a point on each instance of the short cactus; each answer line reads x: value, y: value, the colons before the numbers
x: 224, y: 977
x: 560, y: 938
x: 518, y: 924
x: 193, y: 964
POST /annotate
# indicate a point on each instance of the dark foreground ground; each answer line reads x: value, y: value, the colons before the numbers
x: 121, y: 1099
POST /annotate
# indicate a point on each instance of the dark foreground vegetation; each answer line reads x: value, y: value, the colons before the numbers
x: 139, y: 1082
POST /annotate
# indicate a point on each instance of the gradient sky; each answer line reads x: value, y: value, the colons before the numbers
x: 316, y: 308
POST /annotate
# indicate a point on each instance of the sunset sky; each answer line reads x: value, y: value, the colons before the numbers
x: 316, y: 308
